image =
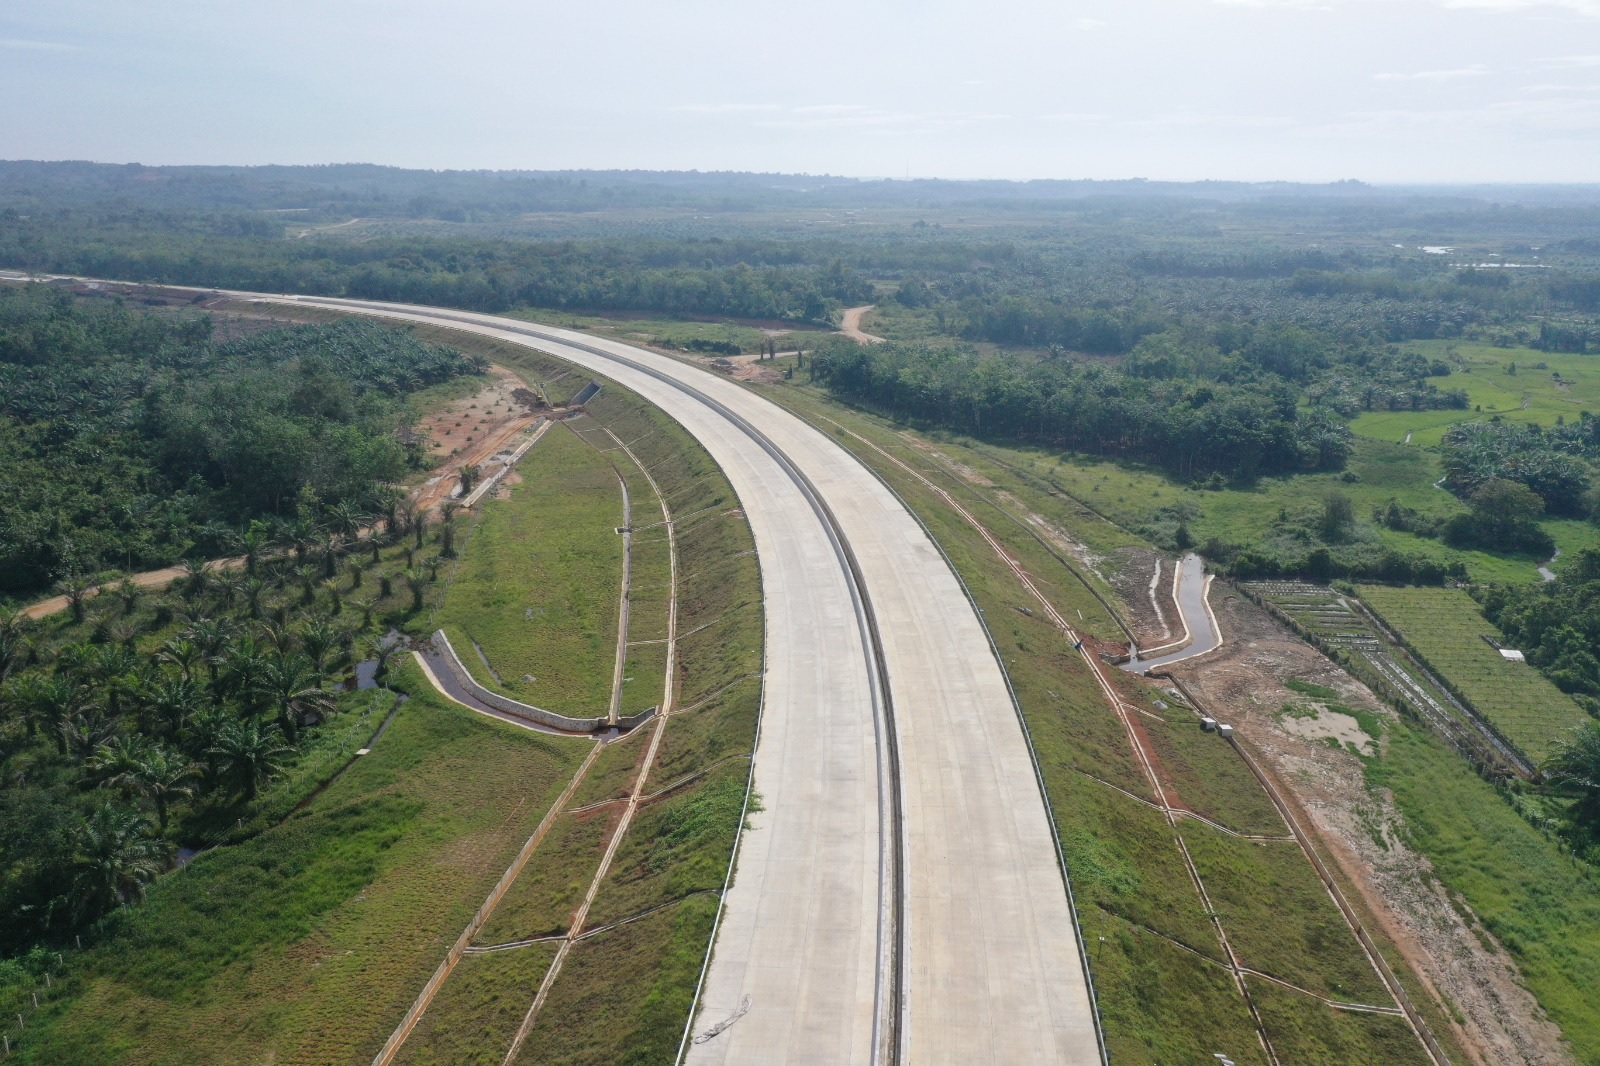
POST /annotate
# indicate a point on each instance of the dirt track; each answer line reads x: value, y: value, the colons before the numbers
x: 850, y: 325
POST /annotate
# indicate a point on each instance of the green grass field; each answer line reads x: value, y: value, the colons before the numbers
x: 539, y: 579
x: 1533, y: 899
x: 1446, y: 630
x: 1567, y: 385
x: 305, y: 944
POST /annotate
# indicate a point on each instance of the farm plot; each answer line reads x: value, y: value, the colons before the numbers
x: 1445, y: 630
x: 1336, y: 624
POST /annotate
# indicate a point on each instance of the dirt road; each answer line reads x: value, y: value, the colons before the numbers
x: 850, y: 325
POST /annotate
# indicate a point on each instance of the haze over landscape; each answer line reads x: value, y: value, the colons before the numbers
x: 1391, y: 91
x: 881, y: 535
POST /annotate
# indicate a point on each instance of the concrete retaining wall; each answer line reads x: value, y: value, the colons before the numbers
x: 526, y: 710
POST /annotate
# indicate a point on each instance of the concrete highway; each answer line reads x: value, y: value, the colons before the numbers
x: 898, y: 898
x: 943, y: 936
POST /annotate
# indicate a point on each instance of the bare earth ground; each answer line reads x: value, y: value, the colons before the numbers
x: 1244, y: 679
x: 470, y: 430
x: 1131, y: 578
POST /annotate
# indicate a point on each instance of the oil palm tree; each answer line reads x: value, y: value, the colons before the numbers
x: 248, y: 754
x: 56, y: 702
x: 253, y: 542
x: 173, y: 701
x: 182, y: 653
x: 252, y: 588
x: 193, y: 577
x: 150, y: 771
x: 113, y: 858
x: 379, y: 650
x: 75, y: 587
x: 1575, y: 766
x: 292, y: 688
x: 13, y: 643
x: 212, y: 635
x: 318, y: 638
x: 242, y: 666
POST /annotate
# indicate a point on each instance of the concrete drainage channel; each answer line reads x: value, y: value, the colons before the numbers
x: 445, y: 654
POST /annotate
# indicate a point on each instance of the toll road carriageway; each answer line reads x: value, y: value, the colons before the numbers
x: 898, y: 897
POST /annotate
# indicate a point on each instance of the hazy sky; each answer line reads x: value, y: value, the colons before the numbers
x: 1384, y: 90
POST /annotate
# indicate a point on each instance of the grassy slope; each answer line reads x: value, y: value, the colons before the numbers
x: 305, y: 944
x: 1445, y: 627
x: 1536, y: 901
x: 537, y: 588
x: 1159, y: 1003
x: 626, y: 992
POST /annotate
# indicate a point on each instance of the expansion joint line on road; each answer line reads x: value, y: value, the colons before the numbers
x: 889, y: 999
x: 658, y: 730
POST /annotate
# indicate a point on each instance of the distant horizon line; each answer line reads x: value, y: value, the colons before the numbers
x: 1347, y: 182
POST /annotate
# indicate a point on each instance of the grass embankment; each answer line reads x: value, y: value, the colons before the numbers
x: 1538, y: 903
x: 1445, y: 629
x: 305, y: 944
x: 537, y: 588
x: 623, y: 993
x: 1165, y: 992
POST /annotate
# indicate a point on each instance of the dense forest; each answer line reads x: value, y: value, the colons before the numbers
x: 1193, y: 425
x: 130, y: 439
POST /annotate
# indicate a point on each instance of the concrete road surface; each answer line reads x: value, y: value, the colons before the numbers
x: 987, y: 951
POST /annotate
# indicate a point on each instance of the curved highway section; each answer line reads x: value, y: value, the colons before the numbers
x: 898, y: 899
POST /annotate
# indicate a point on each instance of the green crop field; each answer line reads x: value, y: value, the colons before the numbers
x: 1547, y: 385
x: 1446, y: 630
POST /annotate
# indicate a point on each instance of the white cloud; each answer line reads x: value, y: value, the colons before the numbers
x: 1586, y: 8
x: 1088, y: 24
x: 36, y: 46
x: 1475, y: 71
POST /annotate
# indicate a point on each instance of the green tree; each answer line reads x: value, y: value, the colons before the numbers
x: 292, y: 689
x: 1338, y: 515
x: 113, y: 858
x: 248, y: 754
x: 1575, y: 766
